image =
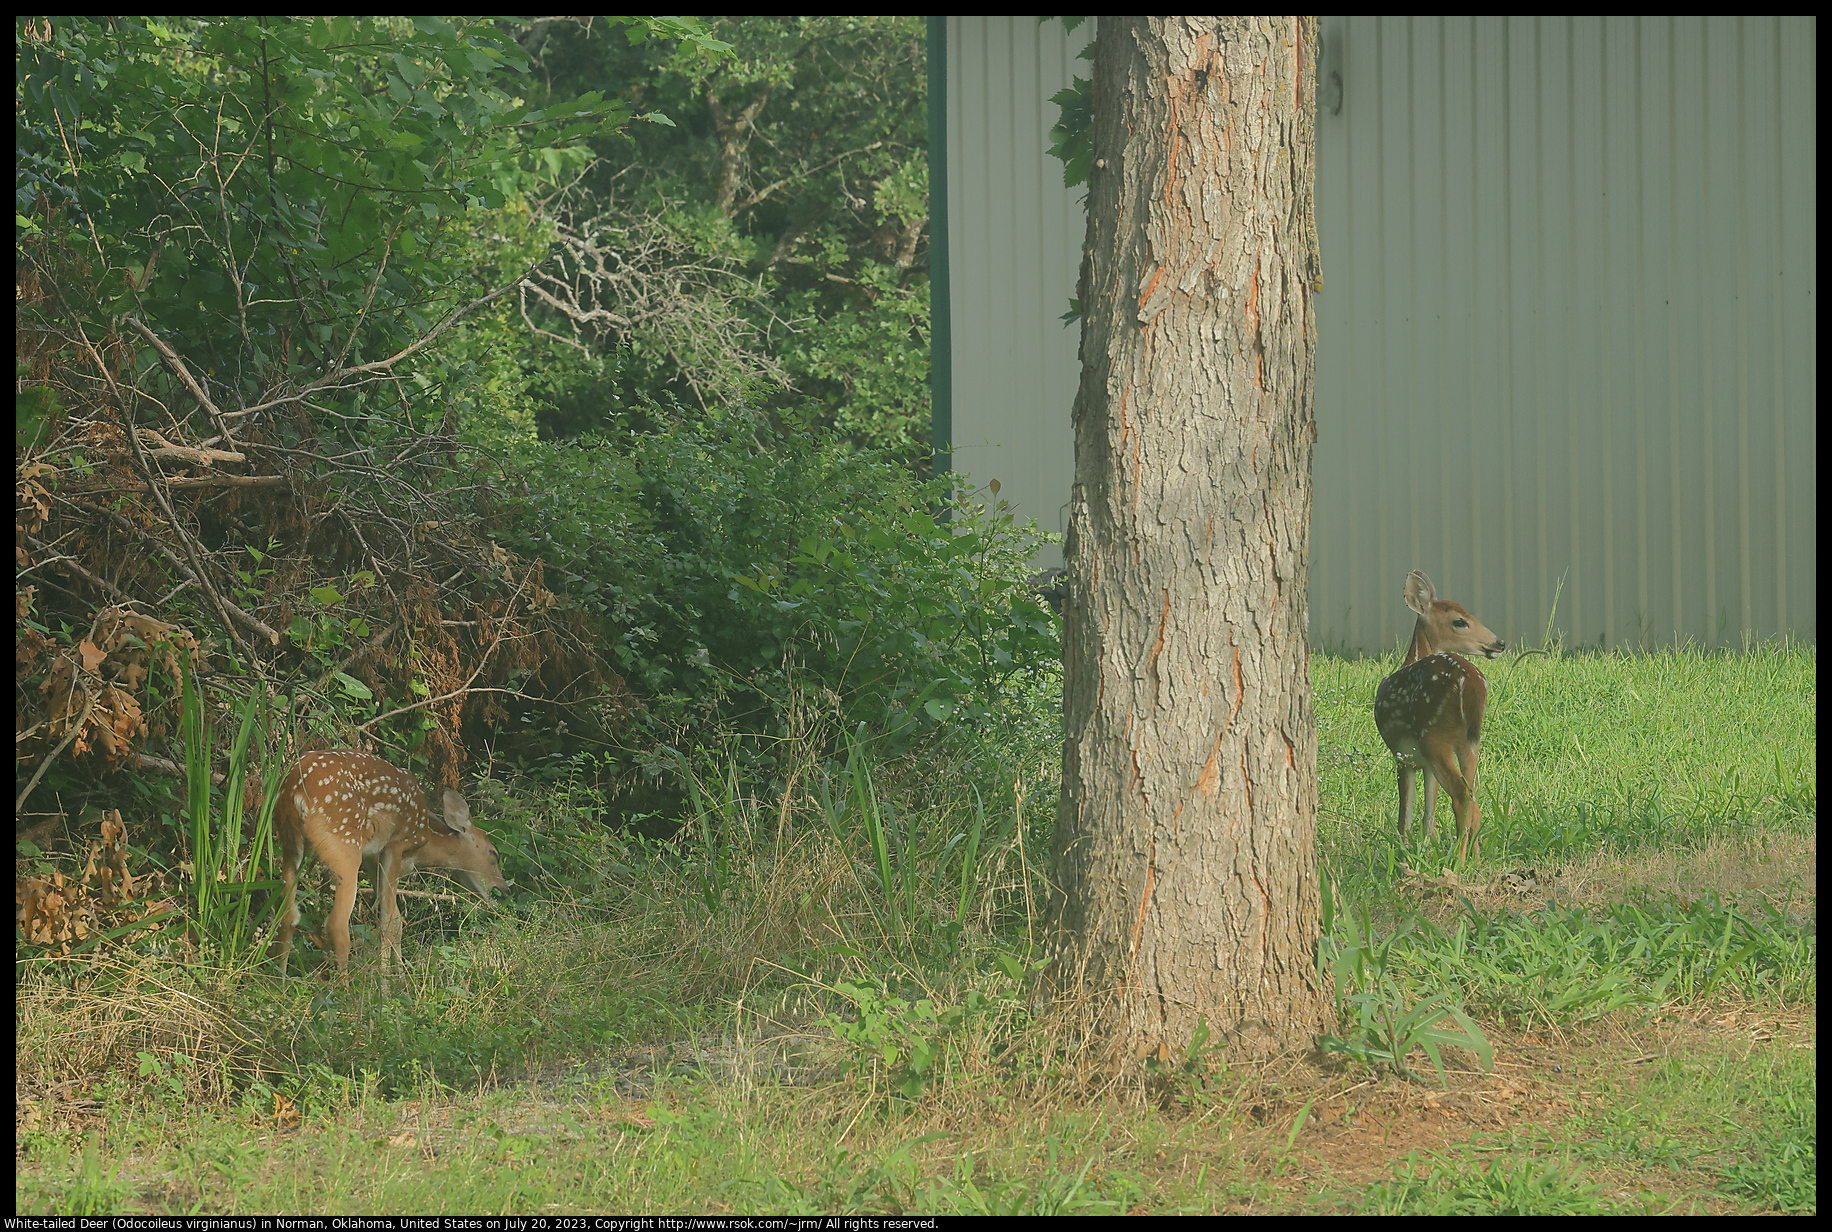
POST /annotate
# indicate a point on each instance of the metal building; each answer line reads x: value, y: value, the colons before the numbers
x: 1567, y: 332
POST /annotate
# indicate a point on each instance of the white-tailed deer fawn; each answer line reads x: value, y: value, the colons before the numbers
x: 1430, y: 711
x: 352, y: 805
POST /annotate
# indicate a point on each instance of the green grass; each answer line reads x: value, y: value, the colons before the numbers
x: 1582, y: 753
x: 838, y: 1019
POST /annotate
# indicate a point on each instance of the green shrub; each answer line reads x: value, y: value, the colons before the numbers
x: 731, y: 569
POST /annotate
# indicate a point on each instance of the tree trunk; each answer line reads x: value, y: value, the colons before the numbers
x: 1185, y: 849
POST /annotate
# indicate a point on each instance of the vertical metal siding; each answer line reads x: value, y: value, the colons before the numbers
x: 1014, y: 257
x: 1568, y: 327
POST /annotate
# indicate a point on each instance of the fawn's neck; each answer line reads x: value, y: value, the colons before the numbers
x: 1421, y: 647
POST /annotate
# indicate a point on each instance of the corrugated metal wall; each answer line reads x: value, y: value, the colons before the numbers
x: 1014, y: 254
x: 1568, y: 327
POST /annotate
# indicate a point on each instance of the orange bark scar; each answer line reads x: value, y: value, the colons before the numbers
x: 1157, y: 647
x: 1138, y: 923
x: 1259, y: 358
x: 1151, y: 286
x: 1238, y: 690
x: 1176, y: 146
x: 1209, y: 781
x: 1297, y: 78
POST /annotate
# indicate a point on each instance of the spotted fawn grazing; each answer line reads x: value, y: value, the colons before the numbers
x: 1430, y: 711
x: 352, y: 805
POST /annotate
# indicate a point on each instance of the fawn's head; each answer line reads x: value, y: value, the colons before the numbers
x: 1443, y: 625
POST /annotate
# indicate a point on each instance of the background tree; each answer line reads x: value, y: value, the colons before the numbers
x: 770, y: 246
x: 1186, y: 842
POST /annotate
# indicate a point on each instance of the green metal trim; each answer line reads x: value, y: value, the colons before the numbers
x: 941, y: 336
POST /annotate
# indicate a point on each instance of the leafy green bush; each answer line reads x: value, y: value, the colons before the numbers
x: 733, y: 568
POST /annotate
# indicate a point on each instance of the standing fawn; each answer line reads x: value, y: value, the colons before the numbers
x: 1430, y: 711
x: 352, y: 805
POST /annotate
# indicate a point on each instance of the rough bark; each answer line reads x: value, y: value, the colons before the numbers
x: 1186, y: 844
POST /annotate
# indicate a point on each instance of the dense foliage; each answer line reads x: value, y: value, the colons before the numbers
x: 797, y: 168
x: 303, y: 290
x: 245, y: 242
x: 743, y: 572
x: 281, y: 195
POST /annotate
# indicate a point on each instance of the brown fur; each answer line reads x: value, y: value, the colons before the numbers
x: 1430, y: 711
x: 349, y: 805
